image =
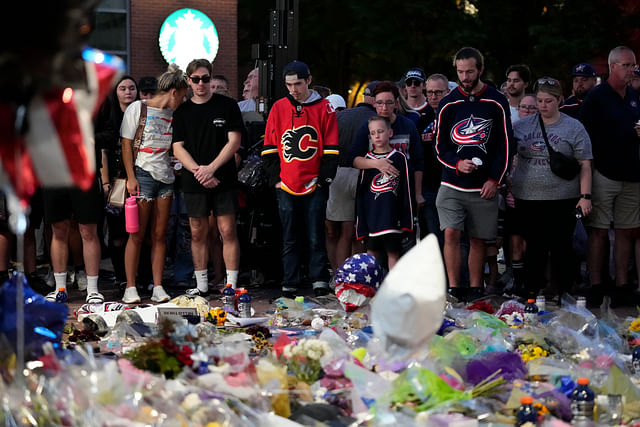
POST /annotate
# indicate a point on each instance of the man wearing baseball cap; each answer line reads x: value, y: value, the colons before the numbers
x: 300, y: 157
x: 414, y: 81
x: 584, y: 79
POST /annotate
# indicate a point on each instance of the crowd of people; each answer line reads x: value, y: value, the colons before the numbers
x: 516, y: 167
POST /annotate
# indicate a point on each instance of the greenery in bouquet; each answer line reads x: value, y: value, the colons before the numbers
x: 421, y: 389
x: 303, y: 359
x: 166, y: 355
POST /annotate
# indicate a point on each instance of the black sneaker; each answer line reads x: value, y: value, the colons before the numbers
x: 623, y: 296
x: 595, y: 296
x: 320, y: 292
x: 475, y: 294
x: 458, y: 294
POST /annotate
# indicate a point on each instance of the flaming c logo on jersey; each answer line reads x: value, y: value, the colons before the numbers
x: 471, y: 132
x: 292, y: 143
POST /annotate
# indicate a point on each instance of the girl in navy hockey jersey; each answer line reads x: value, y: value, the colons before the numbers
x: 383, y: 201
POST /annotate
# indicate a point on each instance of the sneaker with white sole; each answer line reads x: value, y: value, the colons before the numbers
x: 194, y: 292
x: 94, y: 298
x: 159, y: 295
x: 81, y: 280
x: 51, y: 296
x: 131, y: 296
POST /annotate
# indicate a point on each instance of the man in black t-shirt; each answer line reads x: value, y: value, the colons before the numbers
x: 206, y: 135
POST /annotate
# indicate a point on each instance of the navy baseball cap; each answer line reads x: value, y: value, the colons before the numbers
x: 415, y: 73
x: 584, y: 70
x: 368, y: 91
x: 298, y: 67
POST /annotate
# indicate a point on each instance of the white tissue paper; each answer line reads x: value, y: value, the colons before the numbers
x: 409, y: 306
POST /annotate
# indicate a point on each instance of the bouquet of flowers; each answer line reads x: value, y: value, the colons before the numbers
x: 303, y: 359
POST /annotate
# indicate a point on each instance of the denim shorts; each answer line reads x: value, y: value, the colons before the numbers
x: 151, y: 189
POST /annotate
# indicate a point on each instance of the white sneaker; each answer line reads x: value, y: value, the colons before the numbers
x: 81, y: 280
x: 131, y: 296
x: 159, y: 295
x: 51, y: 296
x: 94, y: 298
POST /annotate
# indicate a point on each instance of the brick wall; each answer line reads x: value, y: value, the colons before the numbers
x: 147, y: 17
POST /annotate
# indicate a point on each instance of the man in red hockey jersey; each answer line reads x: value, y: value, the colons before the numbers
x: 300, y: 156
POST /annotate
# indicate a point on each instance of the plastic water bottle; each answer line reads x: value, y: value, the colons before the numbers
x: 541, y: 302
x: 582, y: 401
x: 635, y: 360
x: 61, y: 296
x: 131, y: 215
x: 244, y: 304
x: 526, y: 413
x: 531, y: 312
x: 228, y: 297
x: 581, y: 302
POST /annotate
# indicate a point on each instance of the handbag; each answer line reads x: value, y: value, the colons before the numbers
x: 562, y: 165
x: 252, y: 174
x: 118, y: 192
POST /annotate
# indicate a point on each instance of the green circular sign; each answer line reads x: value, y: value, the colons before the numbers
x: 188, y: 34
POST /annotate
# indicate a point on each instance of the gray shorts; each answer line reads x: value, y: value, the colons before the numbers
x: 341, y: 205
x: 614, y: 200
x: 468, y: 211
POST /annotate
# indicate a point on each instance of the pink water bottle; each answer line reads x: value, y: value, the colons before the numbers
x: 131, y: 215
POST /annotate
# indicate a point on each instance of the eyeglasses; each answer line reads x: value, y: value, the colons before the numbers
x: 627, y: 65
x: 196, y: 79
x: 435, y: 92
x: 528, y: 107
x: 385, y: 103
x: 413, y: 82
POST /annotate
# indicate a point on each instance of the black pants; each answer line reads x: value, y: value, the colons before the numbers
x: 547, y: 227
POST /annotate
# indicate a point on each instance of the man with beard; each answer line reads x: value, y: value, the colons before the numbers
x: 472, y: 142
x: 584, y: 79
x: 518, y: 78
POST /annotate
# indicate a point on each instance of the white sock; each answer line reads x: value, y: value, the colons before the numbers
x: 232, y: 277
x: 61, y: 280
x: 92, y: 285
x: 202, y: 280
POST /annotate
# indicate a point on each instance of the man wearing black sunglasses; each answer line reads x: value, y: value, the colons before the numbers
x: 206, y: 134
x: 414, y: 81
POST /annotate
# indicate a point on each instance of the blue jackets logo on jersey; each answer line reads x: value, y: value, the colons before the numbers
x: 471, y: 132
x: 292, y: 141
x: 382, y: 183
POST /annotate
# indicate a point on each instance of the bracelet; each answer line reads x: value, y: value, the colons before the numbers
x: 585, y: 196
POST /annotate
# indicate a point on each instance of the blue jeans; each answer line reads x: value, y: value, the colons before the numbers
x: 303, y: 214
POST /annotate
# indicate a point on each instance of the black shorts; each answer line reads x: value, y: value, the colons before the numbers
x: 221, y: 203
x: 36, y: 212
x: 62, y: 203
x: 391, y: 242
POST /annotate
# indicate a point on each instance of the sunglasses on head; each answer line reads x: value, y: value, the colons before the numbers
x: 196, y: 79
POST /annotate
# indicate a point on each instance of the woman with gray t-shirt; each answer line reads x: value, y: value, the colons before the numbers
x: 546, y: 205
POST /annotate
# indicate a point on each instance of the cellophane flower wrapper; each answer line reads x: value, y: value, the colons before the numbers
x: 421, y: 389
x: 557, y: 403
x: 482, y: 366
x: 44, y: 321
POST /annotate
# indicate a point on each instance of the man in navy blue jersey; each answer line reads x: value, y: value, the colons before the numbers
x: 472, y: 142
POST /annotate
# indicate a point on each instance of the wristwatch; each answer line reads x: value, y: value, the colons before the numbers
x: 586, y: 196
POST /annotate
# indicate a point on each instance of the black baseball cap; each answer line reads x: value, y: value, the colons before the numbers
x: 298, y: 67
x: 415, y: 73
x: 584, y: 70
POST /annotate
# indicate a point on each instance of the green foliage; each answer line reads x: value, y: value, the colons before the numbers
x: 348, y: 41
x: 153, y: 357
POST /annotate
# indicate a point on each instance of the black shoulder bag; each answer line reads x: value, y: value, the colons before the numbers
x: 562, y: 165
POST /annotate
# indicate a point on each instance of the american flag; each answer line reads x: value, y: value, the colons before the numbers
x: 58, y: 147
